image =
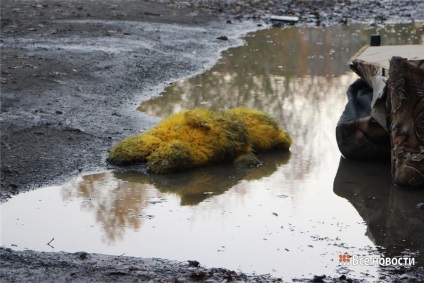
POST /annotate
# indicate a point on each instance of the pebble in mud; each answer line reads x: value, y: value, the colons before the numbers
x: 420, y: 206
x: 328, y: 13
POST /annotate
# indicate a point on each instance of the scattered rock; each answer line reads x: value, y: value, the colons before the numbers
x: 199, y: 275
x: 420, y: 206
x: 193, y: 263
x: 319, y: 278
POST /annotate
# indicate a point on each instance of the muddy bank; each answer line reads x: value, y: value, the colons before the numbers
x: 84, y: 267
x: 73, y: 74
x: 30, y: 266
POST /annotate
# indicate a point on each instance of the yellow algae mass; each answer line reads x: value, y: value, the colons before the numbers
x: 200, y: 137
x: 263, y: 130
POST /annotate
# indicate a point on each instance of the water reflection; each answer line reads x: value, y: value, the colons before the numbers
x: 263, y: 74
x: 114, y: 203
x: 118, y: 199
x: 297, y: 75
x: 392, y: 220
x: 279, y: 218
x: 196, y: 186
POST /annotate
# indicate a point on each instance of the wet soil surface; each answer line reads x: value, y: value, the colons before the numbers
x: 74, y: 72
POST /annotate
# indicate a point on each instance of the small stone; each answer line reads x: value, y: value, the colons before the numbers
x: 420, y: 206
x: 193, y: 263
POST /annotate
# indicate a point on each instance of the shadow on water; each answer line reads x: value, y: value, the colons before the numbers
x: 393, y: 222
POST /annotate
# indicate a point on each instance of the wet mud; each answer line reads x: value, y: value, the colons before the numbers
x: 73, y: 73
x: 72, y: 76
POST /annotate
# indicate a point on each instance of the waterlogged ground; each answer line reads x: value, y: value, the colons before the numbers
x: 292, y: 217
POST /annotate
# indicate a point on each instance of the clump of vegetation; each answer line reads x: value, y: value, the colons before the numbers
x: 200, y: 137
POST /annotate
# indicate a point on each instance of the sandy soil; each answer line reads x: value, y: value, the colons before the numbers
x: 73, y: 73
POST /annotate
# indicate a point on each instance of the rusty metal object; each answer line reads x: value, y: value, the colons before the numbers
x: 405, y: 89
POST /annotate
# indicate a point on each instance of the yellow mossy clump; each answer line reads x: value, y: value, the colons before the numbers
x: 199, y: 137
x: 264, y: 132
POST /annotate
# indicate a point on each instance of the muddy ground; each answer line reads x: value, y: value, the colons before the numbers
x: 72, y: 75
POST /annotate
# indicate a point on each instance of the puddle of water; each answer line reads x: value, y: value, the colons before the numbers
x: 291, y: 217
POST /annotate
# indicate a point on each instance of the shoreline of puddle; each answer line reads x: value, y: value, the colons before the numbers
x: 285, y: 192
